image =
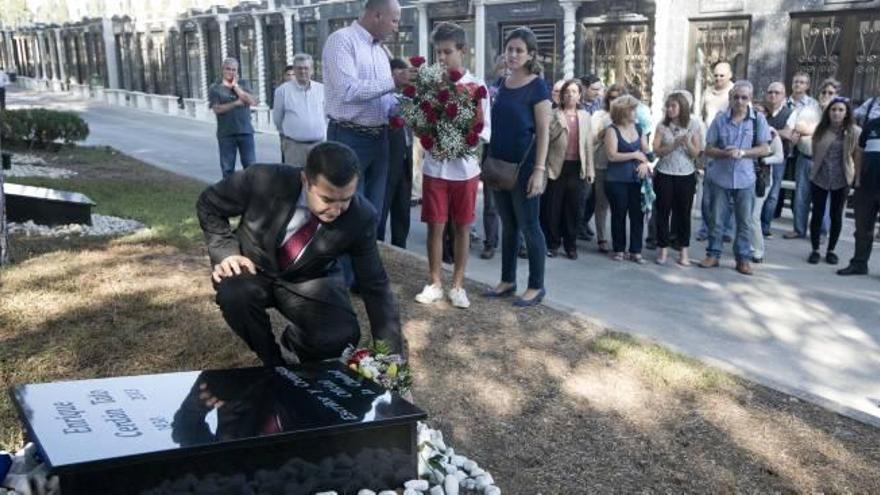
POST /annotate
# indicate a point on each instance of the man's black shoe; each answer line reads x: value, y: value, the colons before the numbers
x: 852, y: 270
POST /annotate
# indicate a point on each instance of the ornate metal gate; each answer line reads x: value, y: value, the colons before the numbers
x: 619, y: 53
x: 845, y: 46
x: 717, y: 41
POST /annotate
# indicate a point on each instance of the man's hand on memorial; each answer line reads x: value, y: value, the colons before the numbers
x: 231, y: 266
x: 207, y: 397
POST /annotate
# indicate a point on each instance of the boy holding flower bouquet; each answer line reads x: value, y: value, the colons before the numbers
x: 453, y: 121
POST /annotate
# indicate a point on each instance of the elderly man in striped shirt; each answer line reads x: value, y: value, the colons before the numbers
x: 359, y: 89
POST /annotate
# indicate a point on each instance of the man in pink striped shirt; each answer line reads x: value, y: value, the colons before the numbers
x: 359, y: 91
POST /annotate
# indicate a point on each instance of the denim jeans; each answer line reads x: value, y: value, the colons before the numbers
x: 243, y: 145
x: 372, y: 153
x: 706, y: 213
x: 743, y: 199
x: 490, y: 219
x: 801, y: 207
x: 768, y: 211
x: 521, y: 214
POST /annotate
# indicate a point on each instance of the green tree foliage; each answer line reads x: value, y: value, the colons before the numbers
x: 38, y: 127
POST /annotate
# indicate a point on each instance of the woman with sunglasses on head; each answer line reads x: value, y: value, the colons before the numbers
x: 832, y: 173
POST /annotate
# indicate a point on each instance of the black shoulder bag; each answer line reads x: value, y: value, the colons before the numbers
x: 762, y: 170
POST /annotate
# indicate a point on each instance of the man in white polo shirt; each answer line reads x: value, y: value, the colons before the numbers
x: 298, y: 112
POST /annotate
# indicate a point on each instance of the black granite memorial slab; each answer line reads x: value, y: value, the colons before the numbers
x: 251, y: 430
x: 46, y: 206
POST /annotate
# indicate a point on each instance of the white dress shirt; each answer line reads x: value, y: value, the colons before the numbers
x: 298, y: 111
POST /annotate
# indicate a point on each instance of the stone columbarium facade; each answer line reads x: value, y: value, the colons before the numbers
x: 146, y: 55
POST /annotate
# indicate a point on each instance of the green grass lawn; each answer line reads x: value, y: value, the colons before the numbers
x: 124, y: 187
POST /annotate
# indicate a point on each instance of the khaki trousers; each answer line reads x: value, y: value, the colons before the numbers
x: 295, y: 152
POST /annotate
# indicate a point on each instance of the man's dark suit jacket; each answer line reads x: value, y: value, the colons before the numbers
x: 265, y: 196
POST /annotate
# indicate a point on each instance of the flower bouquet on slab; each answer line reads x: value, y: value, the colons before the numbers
x: 379, y: 364
x: 446, y: 115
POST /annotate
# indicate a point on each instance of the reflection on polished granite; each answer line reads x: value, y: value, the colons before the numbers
x: 228, y: 423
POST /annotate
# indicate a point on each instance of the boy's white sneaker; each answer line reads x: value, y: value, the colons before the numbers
x: 430, y: 294
x: 459, y: 298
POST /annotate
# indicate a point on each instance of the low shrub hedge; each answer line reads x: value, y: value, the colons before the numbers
x: 39, y: 127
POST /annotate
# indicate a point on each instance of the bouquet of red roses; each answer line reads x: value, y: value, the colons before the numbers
x: 447, y: 116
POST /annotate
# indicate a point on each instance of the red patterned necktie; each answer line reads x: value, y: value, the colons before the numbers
x: 272, y: 425
x: 294, y: 245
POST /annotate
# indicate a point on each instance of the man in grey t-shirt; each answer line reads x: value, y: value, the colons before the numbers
x: 232, y: 103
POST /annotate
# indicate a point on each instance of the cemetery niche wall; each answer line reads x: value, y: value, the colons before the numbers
x: 251, y: 430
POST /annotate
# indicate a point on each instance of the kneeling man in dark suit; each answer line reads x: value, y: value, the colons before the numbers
x: 294, y: 224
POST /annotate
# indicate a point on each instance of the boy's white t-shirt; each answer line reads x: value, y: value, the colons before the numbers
x: 460, y: 168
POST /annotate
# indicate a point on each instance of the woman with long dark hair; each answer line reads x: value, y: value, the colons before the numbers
x: 677, y: 142
x: 521, y: 115
x: 832, y: 173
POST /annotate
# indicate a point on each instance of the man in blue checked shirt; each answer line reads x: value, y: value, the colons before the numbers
x: 733, y: 147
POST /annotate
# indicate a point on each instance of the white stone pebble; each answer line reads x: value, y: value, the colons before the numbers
x: 365, y: 491
x: 437, y: 490
x: 410, y: 491
x: 492, y: 490
x: 450, y: 485
x: 420, y: 485
x: 101, y: 225
x: 459, y: 460
x: 388, y: 492
x: 327, y: 493
x: 450, y: 469
x: 482, y: 482
x: 469, y: 465
x: 19, y: 169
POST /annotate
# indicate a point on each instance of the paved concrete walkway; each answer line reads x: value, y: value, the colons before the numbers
x: 795, y: 327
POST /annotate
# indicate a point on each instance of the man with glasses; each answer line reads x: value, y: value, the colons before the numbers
x: 299, y: 111
x: 231, y: 101
x: 777, y: 116
x: 805, y: 116
x: 715, y: 101
x: 732, y: 146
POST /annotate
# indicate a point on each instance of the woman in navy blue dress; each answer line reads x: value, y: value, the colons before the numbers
x: 520, y: 128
